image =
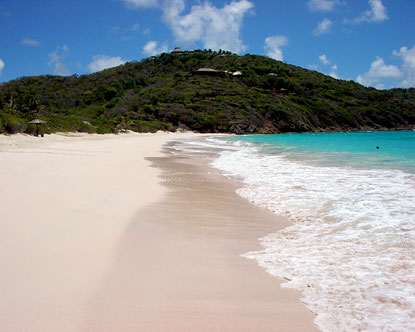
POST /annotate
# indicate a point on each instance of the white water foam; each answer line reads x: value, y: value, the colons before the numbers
x: 351, y: 249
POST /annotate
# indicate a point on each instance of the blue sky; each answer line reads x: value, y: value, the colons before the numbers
x: 369, y: 41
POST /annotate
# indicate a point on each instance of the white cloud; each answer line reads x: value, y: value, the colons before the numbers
x: 324, y: 60
x: 322, y: 5
x: 55, y: 61
x: 273, y: 47
x: 333, y: 72
x: 380, y: 86
x: 152, y: 48
x: 1, y: 66
x: 376, y: 14
x: 323, y: 27
x: 327, y: 62
x: 217, y: 28
x: 408, y: 66
x: 101, y: 62
x: 140, y: 3
x: 378, y: 70
x: 31, y: 42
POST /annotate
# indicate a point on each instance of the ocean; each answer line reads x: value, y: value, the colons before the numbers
x: 351, y: 198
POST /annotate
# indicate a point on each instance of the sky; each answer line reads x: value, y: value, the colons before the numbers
x: 369, y: 41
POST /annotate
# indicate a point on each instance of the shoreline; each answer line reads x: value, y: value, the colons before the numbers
x: 104, y: 246
x: 194, y: 239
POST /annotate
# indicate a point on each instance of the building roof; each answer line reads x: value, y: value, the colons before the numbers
x: 177, y: 50
x: 207, y: 70
x: 37, y: 121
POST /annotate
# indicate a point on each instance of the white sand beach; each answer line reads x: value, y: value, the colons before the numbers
x: 90, y: 240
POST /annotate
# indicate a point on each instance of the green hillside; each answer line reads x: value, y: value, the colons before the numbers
x: 165, y: 93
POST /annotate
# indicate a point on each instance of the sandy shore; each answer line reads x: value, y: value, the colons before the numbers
x: 91, y: 241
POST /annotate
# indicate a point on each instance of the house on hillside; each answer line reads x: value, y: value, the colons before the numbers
x: 234, y: 74
x: 177, y: 51
x: 209, y: 72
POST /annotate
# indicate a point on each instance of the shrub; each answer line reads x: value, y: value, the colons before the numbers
x: 12, y: 124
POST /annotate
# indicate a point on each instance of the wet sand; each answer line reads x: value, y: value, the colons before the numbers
x: 179, y: 267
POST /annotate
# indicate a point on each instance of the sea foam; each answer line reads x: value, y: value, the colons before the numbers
x: 351, y: 248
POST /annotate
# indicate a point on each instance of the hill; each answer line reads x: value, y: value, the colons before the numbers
x: 164, y: 92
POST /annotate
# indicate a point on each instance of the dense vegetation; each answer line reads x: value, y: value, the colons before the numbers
x: 163, y: 93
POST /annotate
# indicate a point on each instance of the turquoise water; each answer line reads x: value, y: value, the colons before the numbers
x: 396, y: 150
x: 351, y: 247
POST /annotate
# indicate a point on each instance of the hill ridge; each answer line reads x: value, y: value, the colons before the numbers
x: 166, y: 93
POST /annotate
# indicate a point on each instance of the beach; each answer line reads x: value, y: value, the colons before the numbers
x: 113, y: 233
